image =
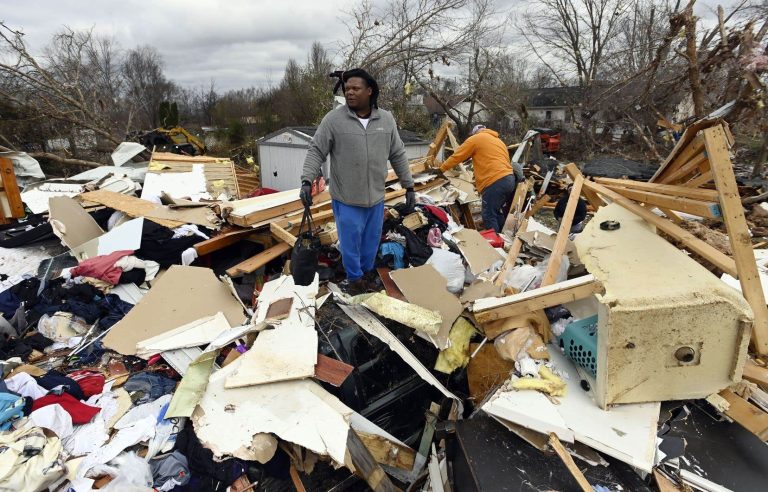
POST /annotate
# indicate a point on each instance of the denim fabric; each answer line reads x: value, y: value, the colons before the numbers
x: 151, y: 386
x: 497, y: 199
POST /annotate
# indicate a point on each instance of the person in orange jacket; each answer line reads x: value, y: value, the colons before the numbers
x: 494, y: 175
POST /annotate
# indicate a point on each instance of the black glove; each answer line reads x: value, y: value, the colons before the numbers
x: 435, y: 171
x: 306, y: 193
x: 410, y: 200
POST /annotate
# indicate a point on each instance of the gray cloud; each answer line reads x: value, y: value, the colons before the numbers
x: 239, y: 43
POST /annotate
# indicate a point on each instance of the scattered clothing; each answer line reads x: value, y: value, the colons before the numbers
x: 169, y: 471
x: 159, y: 245
x: 148, y: 386
x: 79, y: 411
x: 11, y: 408
x: 101, y: 267
x: 25, y: 385
x: 208, y: 475
x: 54, y: 379
x: 54, y: 418
x: 91, y: 382
x: 30, y: 461
x: 393, y: 255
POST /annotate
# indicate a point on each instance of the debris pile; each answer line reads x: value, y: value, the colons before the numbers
x: 165, y: 346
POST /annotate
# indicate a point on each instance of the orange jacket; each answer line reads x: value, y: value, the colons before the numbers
x: 489, y: 156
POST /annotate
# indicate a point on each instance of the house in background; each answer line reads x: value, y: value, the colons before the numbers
x: 282, y: 154
x: 459, y: 104
x: 550, y: 106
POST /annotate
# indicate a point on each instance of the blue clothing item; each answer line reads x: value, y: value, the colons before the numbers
x: 149, y: 386
x: 398, y: 254
x: 11, y: 408
x: 497, y: 200
x: 359, y: 231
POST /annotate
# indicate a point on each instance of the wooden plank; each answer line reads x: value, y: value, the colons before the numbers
x: 130, y: 205
x: 747, y: 415
x: 388, y: 453
x: 556, y: 258
x: 389, y: 285
x: 756, y: 374
x: 221, y: 241
x: 664, y: 484
x: 681, y: 145
x: 592, y: 197
x: 700, y: 180
x: 537, y: 205
x: 486, y: 310
x: 366, y: 466
x: 710, y: 210
x: 440, y: 137
x: 513, y: 253
x: 332, y: 371
x: 254, y: 263
x: 569, y: 463
x: 282, y: 234
x: 296, y: 479
x: 684, y: 171
x: 294, y: 222
x: 273, y: 212
x: 681, y: 191
x: 688, y: 240
x: 738, y: 234
x: 11, y: 188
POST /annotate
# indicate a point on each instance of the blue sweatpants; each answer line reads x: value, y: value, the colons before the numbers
x: 359, y: 231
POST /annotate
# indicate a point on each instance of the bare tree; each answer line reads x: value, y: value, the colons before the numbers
x: 146, y: 83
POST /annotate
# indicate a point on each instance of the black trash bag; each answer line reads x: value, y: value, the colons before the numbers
x: 305, y: 252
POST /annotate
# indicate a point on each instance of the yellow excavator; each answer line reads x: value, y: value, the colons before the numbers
x: 177, y: 140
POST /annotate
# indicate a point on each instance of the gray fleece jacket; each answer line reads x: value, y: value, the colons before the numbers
x: 358, y: 156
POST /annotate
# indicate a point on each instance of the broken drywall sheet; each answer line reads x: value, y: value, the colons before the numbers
x: 238, y: 421
x: 411, y: 315
x: 371, y: 325
x: 190, y: 185
x: 625, y: 432
x: 194, y: 334
x: 71, y: 223
x: 181, y: 295
x: 425, y: 287
x: 289, y: 351
x: 126, y: 236
x: 480, y: 255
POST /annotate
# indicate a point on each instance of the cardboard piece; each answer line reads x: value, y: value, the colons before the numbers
x: 425, y: 287
x: 126, y: 236
x: 480, y: 255
x: 78, y: 226
x: 481, y: 290
x: 182, y: 295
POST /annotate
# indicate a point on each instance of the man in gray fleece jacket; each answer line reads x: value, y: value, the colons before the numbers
x: 360, y: 139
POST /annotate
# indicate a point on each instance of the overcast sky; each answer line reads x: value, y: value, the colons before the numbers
x: 239, y: 43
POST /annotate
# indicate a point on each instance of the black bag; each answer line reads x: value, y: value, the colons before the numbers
x: 305, y: 252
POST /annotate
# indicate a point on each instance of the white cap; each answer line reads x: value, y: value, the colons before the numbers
x: 477, y: 128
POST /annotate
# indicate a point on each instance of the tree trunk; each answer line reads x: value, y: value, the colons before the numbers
x: 63, y: 160
x: 760, y: 163
x: 694, y: 77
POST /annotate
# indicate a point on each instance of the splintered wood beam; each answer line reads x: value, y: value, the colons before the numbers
x: 556, y: 258
x: 756, y: 374
x: 222, y: 241
x: 10, y: 186
x: 440, y: 137
x: 569, y: 463
x: 690, y: 167
x: 747, y: 415
x: 700, y: 180
x: 514, y: 252
x: 491, y: 309
x: 688, y: 240
x: 710, y: 210
x: 738, y: 233
x: 592, y: 197
x: 703, y: 195
x: 282, y: 234
x: 366, y: 466
x: 255, y: 262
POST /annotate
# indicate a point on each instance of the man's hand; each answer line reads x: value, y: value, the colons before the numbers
x: 306, y: 193
x: 410, y: 200
x: 434, y: 171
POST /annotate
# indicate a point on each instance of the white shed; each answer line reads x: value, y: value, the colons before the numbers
x: 282, y: 154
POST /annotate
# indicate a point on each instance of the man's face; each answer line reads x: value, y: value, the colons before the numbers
x: 357, y: 93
